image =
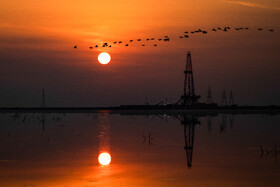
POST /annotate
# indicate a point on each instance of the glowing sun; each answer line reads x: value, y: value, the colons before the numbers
x: 104, y: 159
x: 104, y: 58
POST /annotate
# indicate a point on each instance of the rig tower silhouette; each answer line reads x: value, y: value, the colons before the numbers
x: 189, y: 121
x: 189, y: 97
x: 224, y: 99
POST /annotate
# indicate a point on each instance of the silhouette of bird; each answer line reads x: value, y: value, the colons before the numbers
x: 166, y: 38
x: 139, y: 40
x: 75, y: 47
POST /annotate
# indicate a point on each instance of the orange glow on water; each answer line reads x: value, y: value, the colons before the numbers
x: 104, y: 159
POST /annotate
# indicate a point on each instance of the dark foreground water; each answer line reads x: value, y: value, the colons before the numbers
x: 61, y: 150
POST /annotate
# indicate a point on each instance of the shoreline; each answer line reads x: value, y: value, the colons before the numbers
x: 147, y: 109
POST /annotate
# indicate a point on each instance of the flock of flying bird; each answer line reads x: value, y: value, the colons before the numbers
x: 186, y: 34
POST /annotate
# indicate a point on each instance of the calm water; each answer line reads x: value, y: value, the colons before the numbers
x: 60, y: 150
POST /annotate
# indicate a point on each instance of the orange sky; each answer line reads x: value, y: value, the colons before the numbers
x: 99, y: 21
x: 37, y: 40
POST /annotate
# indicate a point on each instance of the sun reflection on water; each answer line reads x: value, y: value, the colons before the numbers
x: 104, y: 159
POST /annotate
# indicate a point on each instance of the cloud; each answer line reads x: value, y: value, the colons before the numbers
x: 253, y: 5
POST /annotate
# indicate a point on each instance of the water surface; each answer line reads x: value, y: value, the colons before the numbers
x: 61, y: 150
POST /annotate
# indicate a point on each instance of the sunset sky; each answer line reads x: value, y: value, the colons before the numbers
x: 37, y: 39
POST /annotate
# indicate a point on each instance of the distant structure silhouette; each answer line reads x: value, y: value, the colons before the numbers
x: 224, y: 123
x: 189, y: 97
x: 43, y: 102
x: 43, y: 120
x: 224, y: 99
x: 43, y: 117
x: 209, y: 123
x: 231, y: 102
x: 231, y: 119
x: 209, y: 96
